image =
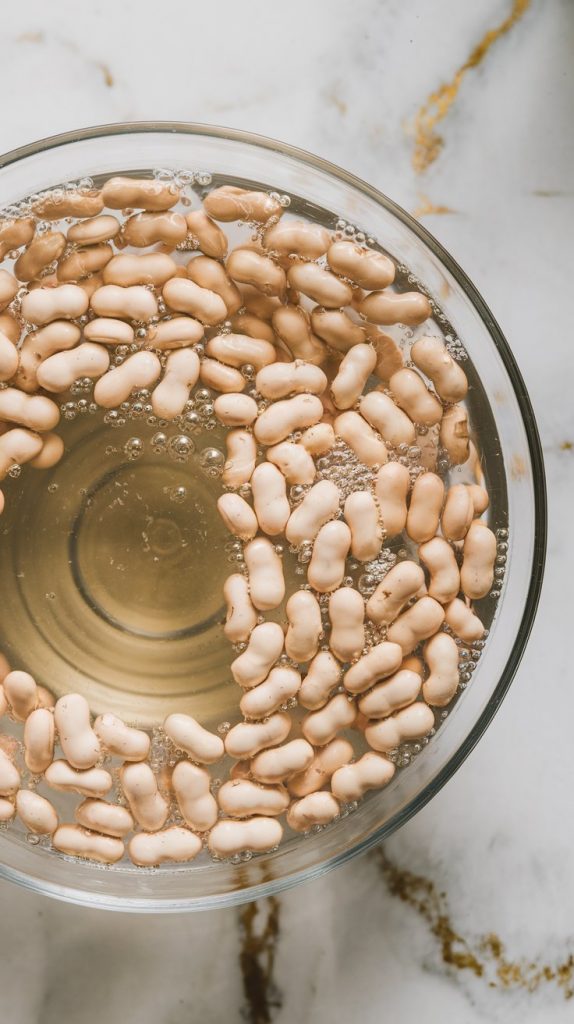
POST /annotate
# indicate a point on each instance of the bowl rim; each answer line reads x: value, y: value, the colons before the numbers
x: 532, y: 598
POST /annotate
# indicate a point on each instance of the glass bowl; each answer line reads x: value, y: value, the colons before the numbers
x: 512, y: 463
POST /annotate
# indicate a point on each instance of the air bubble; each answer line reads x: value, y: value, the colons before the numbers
x: 212, y: 461
x: 134, y: 448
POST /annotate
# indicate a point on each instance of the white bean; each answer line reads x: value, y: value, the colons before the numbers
x: 319, y: 439
x: 132, y: 303
x: 33, y: 411
x: 265, y: 572
x: 323, y: 675
x: 320, y: 285
x: 463, y: 621
x: 347, y: 615
x: 9, y: 776
x: 441, y: 655
x: 171, y: 844
x: 381, y: 661
x: 352, y: 781
x: 353, y: 373
x: 328, y: 562
x: 283, y: 762
x: 42, y: 251
x: 255, y: 835
x: 186, y: 296
x: 320, y: 727
x: 391, y: 489
x: 336, y: 328
x: 396, y: 692
x: 58, y: 372
x: 314, y: 809
x: 209, y: 273
x: 291, y: 324
x: 39, y: 345
x: 8, y: 810
x: 39, y: 737
x: 118, y: 738
x: 281, y: 379
x: 241, y: 798
x: 362, y: 517
x: 327, y: 760
x: 235, y: 410
x: 8, y: 357
x: 221, y: 377
x: 92, y: 782
x: 440, y: 560
x: 37, y: 813
x: 454, y: 436
x: 382, y: 307
x: 191, y: 786
x: 78, y: 842
x: 238, y: 516
x: 478, y: 557
x: 241, y: 456
x: 178, y: 332
x: 294, y: 461
x: 18, y: 446
x: 281, y: 685
x: 401, y: 583
x: 148, y: 228
x: 22, y: 693
x: 140, y: 370
x: 241, y: 615
x: 249, y: 267
x: 187, y: 734
x: 319, y: 505
x: 181, y: 374
x: 392, y: 423
x: 425, y: 507
x: 424, y: 618
x: 298, y: 237
x: 119, y: 193
x: 147, y: 805
x: 94, y: 230
x: 284, y: 417
x: 240, y: 350
x: 101, y: 816
x: 229, y: 203
x: 361, y: 438
x: 365, y: 267
x: 80, y: 745
x: 248, y: 738
x: 154, y: 268
x: 305, y: 626
x: 411, y: 394
x: 263, y: 650
x: 411, y: 723
x: 209, y: 237
x: 270, y: 498
x: 431, y: 356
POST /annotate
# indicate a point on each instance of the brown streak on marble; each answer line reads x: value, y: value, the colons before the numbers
x: 485, y: 957
x: 550, y: 193
x: 426, y: 206
x: 108, y: 77
x: 566, y: 446
x: 428, y: 143
x: 257, y: 959
x: 31, y: 37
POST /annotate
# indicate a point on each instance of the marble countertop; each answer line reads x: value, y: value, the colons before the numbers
x: 461, y: 113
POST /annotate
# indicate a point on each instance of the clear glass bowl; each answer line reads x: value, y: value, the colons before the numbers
x: 512, y: 461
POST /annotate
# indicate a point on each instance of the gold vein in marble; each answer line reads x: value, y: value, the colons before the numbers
x: 426, y: 206
x: 428, y: 142
x: 486, y: 956
x: 257, y: 959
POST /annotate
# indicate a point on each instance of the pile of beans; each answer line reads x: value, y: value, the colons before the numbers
x: 293, y: 315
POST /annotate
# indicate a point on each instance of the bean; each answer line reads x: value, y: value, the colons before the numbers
x: 336, y: 328
x: 391, y: 490
x: 441, y: 656
x: 382, y: 307
x: 305, y: 626
x: 319, y: 505
x: 229, y: 203
x: 120, y: 739
x: 478, y: 557
x: 241, y: 456
x: 270, y: 498
x: 145, y: 229
x: 45, y: 249
x: 282, y: 763
x: 412, y: 395
x: 454, y: 436
x: 263, y: 650
x: 258, y: 304
x: 83, y: 263
x: 320, y: 285
x: 246, y: 323
x: 410, y: 724
x: 255, y: 835
x: 281, y: 685
x: 323, y: 675
x: 40, y: 345
x: 206, y: 234
x: 79, y: 842
x: 138, y: 371
x: 241, y: 615
x: 94, y: 230
x: 43, y: 305
x: 15, y: 233
x: 327, y: 760
x: 209, y: 273
x: 424, y: 618
x: 132, y: 303
x: 347, y: 615
x: 221, y: 377
x: 389, y: 356
x: 352, y: 781
x: 239, y: 350
x: 108, y: 331
x: 314, y: 809
x: 235, y: 410
x: 361, y: 438
x: 147, y: 805
x: 291, y: 324
x: 261, y: 272
x: 439, y: 558
x: 241, y: 798
x: 187, y: 734
x: 400, y: 584
x: 282, y: 418
x: 281, y: 379
x: 8, y: 288
x: 129, y: 271
x: 327, y: 566
x: 92, y: 782
x: 100, y: 816
x: 396, y: 692
x: 352, y: 376
x: 365, y: 267
x: 37, y: 813
x: 36, y: 412
x: 458, y: 512
x: 480, y: 499
x: 238, y: 516
x: 186, y: 296
x: 392, y: 424
x: 22, y: 693
x: 463, y: 621
x: 248, y: 738
x: 8, y: 810
x: 265, y: 572
x: 191, y: 785
x: 89, y: 285
x: 362, y: 516
x: 318, y: 439
x: 432, y: 357
x: 144, y: 193
x: 58, y: 372
x: 178, y: 332
x: 175, y: 843
x: 320, y: 727
x: 39, y: 738
x: 171, y: 394
x: 17, y: 447
x: 425, y: 507
x: 9, y: 776
x: 294, y: 461
x: 381, y: 661
x: 57, y: 204
x: 80, y: 745
x: 8, y: 358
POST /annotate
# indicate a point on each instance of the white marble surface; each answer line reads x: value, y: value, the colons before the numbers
x: 345, y: 80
